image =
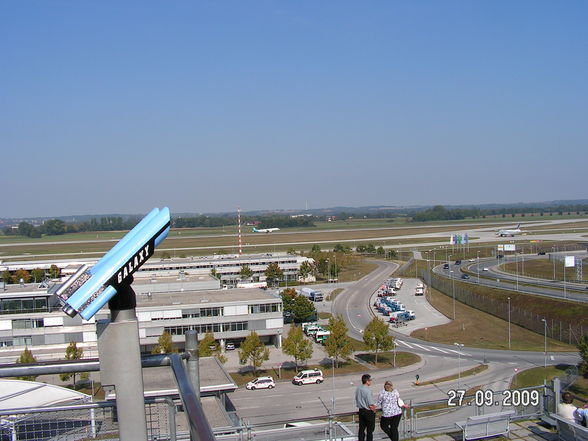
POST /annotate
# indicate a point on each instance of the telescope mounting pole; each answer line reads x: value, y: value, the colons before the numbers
x: 120, y: 363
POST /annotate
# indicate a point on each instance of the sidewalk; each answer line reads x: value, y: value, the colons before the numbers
x: 520, y: 430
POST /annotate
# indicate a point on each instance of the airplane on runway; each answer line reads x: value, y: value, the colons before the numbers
x: 265, y: 230
x: 511, y: 233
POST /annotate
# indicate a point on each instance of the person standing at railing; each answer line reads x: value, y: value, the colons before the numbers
x: 566, y: 409
x: 581, y: 415
x: 364, y: 401
x: 391, y: 404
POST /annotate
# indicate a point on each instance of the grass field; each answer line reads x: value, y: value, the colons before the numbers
x: 535, y: 377
x: 386, y: 359
x: 473, y: 371
x: 471, y: 327
x: 543, y: 269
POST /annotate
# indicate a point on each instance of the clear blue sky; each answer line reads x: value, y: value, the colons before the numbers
x: 117, y: 107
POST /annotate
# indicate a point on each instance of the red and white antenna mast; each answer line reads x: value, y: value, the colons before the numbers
x: 239, y: 229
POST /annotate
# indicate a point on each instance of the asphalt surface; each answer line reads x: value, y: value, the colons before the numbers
x: 495, y: 278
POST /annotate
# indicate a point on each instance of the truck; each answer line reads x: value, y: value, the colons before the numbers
x: 316, y: 296
x: 313, y: 295
x: 399, y: 316
x: 321, y: 336
x: 306, y: 292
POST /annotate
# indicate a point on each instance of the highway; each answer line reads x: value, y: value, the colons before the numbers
x: 499, y: 279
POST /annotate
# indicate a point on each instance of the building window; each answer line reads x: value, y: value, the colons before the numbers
x: 17, y: 306
x: 211, y: 312
x: 264, y: 308
x: 22, y: 341
x: 27, y: 323
x: 235, y: 326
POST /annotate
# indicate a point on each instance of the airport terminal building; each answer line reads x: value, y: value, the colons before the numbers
x: 173, y: 296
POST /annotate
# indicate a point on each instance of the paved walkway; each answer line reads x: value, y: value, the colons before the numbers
x: 520, y: 430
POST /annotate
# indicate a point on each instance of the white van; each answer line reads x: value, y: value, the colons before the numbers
x: 308, y: 377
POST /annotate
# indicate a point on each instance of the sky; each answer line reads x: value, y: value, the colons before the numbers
x: 119, y: 107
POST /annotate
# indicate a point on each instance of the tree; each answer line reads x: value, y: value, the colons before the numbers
x: 360, y: 249
x: 291, y: 251
x: 253, y: 351
x: 25, y: 229
x: 315, y: 248
x: 209, y: 347
x: 303, y: 310
x: 297, y: 346
x: 273, y: 272
x: 391, y: 254
x: 72, y: 352
x: 26, y: 357
x: 322, y: 266
x: 54, y: 271
x: 164, y: 345
x: 377, y: 338
x: 246, y: 272
x: 54, y: 227
x: 214, y: 273
x: 21, y: 274
x: 6, y: 277
x: 370, y: 248
x: 338, y: 344
x: 380, y: 251
x: 306, y: 268
x: 583, y: 348
x: 38, y: 275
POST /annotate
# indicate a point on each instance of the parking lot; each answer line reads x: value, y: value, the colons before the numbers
x: 426, y: 315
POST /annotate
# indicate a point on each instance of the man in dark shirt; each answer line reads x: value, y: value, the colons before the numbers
x: 367, y: 409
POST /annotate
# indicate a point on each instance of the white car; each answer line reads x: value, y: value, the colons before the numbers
x: 261, y: 383
x: 485, y: 269
x: 308, y: 377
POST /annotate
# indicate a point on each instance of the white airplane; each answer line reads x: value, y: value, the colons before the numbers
x: 511, y: 233
x: 265, y: 230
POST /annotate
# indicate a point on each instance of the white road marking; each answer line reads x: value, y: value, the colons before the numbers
x: 404, y: 343
x: 422, y: 347
x: 440, y: 350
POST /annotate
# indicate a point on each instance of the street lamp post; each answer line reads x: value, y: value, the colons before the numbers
x: 517, y: 270
x: 545, y: 345
x: 509, y: 323
x: 478, y: 267
x: 460, y: 346
x: 333, y: 363
x: 553, y: 258
x: 453, y: 290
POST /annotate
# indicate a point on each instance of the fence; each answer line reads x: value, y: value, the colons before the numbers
x: 567, y: 332
x: 84, y: 422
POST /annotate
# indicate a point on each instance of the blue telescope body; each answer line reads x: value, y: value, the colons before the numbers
x: 88, y: 290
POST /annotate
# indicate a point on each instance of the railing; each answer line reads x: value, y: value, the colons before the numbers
x: 84, y: 422
x: 98, y: 421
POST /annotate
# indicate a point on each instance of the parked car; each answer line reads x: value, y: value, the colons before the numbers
x: 308, y: 377
x: 485, y: 269
x: 541, y: 253
x: 230, y: 347
x: 445, y: 266
x: 261, y: 383
x: 465, y: 276
x: 458, y: 262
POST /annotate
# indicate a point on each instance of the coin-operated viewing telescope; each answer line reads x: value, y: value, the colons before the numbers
x: 89, y: 289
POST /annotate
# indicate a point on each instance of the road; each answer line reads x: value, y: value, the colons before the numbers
x: 499, y: 279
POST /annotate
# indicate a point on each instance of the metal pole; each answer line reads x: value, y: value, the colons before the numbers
x: 478, y: 267
x: 459, y: 346
x: 193, y: 361
x: 509, y: 323
x: 120, y: 364
x: 333, y: 364
x: 545, y: 349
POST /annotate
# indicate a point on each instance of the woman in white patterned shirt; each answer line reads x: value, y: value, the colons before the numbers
x: 391, y: 404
